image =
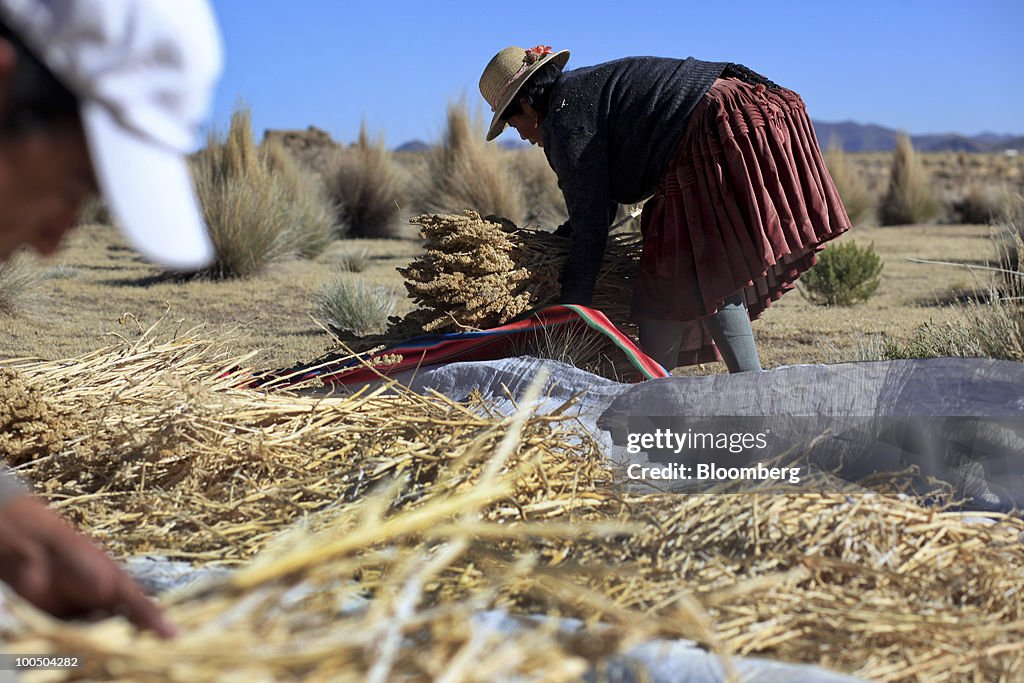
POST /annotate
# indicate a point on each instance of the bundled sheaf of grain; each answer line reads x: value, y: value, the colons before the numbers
x: 414, y: 513
x: 477, y: 273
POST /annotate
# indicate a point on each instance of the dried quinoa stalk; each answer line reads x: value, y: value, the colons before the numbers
x: 478, y: 273
x: 390, y: 498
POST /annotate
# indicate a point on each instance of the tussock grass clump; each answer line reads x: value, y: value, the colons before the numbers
x: 19, y: 279
x: 990, y: 326
x: 312, y: 214
x: 354, y: 259
x: 981, y: 205
x: 351, y: 305
x: 465, y: 172
x: 909, y: 197
x: 369, y: 188
x: 478, y: 272
x: 845, y: 274
x: 1010, y: 241
x: 545, y: 205
x: 94, y: 211
x: 260, y: 207
x: 853, y: 190
x: 249, y: 229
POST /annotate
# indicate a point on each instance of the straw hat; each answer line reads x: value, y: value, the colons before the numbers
x: 508, y: 72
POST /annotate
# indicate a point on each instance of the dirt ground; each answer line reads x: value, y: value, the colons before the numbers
x: 95, y: 280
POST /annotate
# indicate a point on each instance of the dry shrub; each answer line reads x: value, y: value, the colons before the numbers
x: 1010, y: 242
x: 369, y: 188
x: 980, y: 205
x: 545, y: 205
x: 351, y: 305
x: 94, y: 211
x: 910, y: 197
x: 988, y: 327
x: 19, y: 279
x: 354, y: 259
x: 313, y: 214
x: 259, y: 206
x: 992, y: 328
x: 466, y: 172
x: 858, y: 200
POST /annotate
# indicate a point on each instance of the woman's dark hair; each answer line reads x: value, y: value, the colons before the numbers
x: 536, y: 91
x: 35, y: 98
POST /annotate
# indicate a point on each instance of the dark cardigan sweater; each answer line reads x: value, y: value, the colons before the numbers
x: 609, y: 133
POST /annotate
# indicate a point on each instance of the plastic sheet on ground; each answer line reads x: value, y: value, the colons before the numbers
x: 953, y: 422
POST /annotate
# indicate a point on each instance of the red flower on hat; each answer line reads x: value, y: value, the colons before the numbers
x: 535, y: 53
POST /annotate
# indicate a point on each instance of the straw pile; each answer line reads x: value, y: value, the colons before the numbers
x: 478, y: 272
x: 435, y: 510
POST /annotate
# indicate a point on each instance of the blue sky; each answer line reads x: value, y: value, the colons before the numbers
x: 916, y: 65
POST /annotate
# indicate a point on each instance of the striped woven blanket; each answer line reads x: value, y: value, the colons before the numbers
x: 500, y: 342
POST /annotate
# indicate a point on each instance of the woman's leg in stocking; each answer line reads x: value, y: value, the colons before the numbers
x: 730, y: 328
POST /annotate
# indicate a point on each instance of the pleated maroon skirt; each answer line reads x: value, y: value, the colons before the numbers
x: 745, y: 204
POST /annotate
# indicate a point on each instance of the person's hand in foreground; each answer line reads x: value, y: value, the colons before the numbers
x: 59, y: 571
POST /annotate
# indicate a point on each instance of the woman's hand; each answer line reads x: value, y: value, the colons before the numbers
x: 58, y: 570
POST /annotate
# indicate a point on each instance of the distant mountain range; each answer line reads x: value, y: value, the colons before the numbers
x: 413, y: 146
x: 858, y: 137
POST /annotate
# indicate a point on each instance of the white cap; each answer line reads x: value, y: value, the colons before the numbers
x: 144, y: 72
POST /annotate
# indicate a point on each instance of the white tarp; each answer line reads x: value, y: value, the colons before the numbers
x: 954, y: 420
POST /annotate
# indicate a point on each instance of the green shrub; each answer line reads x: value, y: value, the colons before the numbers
x: 369, y: 188
x: 466, y: 172
x: 19, y: 278
x: 351, y: 305
x: 259, y: 206
x: 858, y: 200
x: 910, y: 197
x: 844, y: 275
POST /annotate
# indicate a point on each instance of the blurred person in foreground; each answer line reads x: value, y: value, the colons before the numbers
x: 97, y: 96
x: 741, y: 196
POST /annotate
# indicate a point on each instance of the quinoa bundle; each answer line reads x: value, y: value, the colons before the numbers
x: 482, y: 272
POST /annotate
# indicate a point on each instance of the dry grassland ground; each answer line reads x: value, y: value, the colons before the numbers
x: 95, y: 279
